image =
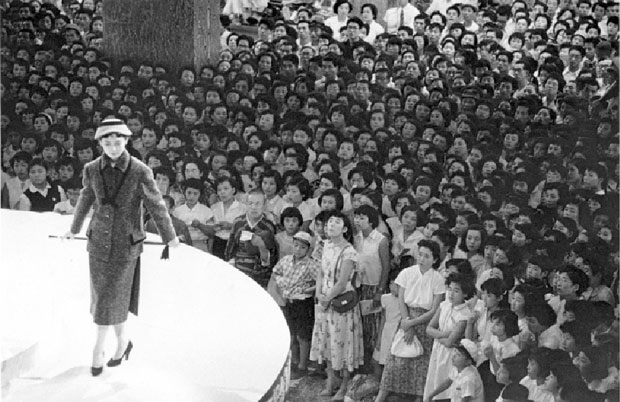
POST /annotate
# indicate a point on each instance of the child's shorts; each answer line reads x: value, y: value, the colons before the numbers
x: 299, y: 316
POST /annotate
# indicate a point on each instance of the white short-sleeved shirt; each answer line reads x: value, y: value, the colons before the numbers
x: 307, y: 209
x: 421, y: 288
x: 335, y: 25
x: 64, y: 207
x: 235, y: 210
x: 551, y: 337
x: 535, y: 391
x: 504, y: 349
x: 200, y: 212
x: 16, y: 188
x: 273, y: 207
x: 374, y: 29
x: 467, y: 383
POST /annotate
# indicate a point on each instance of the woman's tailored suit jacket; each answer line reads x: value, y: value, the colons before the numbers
x: 117, y: 233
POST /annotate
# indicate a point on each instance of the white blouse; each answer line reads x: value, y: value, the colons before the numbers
x: 368, y: 254
x: 235, y: 210
x: 421, y: 288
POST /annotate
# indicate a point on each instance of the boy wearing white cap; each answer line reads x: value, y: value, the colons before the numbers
x: 116, y: 185
x: 465, y: 383
x: 295, y: 276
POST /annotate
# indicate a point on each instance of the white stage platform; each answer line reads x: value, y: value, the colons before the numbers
x: 205, y: 331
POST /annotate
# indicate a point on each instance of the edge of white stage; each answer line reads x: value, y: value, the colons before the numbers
x: 204, y: 331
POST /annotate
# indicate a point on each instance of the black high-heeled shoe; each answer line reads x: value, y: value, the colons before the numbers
x: 95, y: 371
x: 117, y: 362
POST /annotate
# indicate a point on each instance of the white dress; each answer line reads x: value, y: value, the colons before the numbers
x: 389, y: 304
x: 368, y: 254
x: 441, y: 357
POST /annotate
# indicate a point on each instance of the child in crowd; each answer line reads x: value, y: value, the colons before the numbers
x: 40, y: 195
x: 180, y: 227
x: 390, y: 319
x: 72, y: 189
x: 298, y: 193
x: 511, y: 371
x: 501, y: 346
x: 295, y: 276
x: 195, y: 214
x: 271, y: 184
x: 405, y: 241
x: 225, y: 211
x: 463, y: 382
x: 291, y: 220
x: 447, y: 327
x: 15, y: 186
x: 85, y: 150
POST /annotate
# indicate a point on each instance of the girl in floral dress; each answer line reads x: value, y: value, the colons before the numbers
x: 337, y: 337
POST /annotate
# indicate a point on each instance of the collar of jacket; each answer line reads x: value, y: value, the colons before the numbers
x: 122, y: 163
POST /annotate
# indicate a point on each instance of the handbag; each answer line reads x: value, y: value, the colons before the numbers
x: 401, y: 349
x: 345, y: 301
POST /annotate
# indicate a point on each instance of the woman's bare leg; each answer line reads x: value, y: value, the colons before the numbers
x: 346, y: 377
x: 122, y: 339
x: 98, y: 351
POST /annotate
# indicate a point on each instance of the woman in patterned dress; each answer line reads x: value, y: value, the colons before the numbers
x: 337, y: 337
x: 422, y: 289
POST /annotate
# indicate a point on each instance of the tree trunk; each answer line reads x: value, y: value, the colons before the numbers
x: 173, y: 33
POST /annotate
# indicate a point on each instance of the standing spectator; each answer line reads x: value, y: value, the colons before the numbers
x: 194, y: 213
x: 337, y: 337
x: 225, y: 211
x: 180, y: 227
x: 447, y: 328
x: 295, y: 276
x: 251, y: 246
x: 369, y: 16
x: 374, y: 265
x: 422, y: 289
x: 403, y: 14
x: 14, y: 187
x: 342, y: 9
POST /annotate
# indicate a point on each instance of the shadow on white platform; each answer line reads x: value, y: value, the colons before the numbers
x: 205, y: 331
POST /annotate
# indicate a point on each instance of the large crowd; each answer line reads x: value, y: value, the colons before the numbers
x: 430, y: 196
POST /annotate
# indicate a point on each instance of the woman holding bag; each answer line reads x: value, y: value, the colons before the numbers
x: 337, y: 334
x: 421, y: 291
